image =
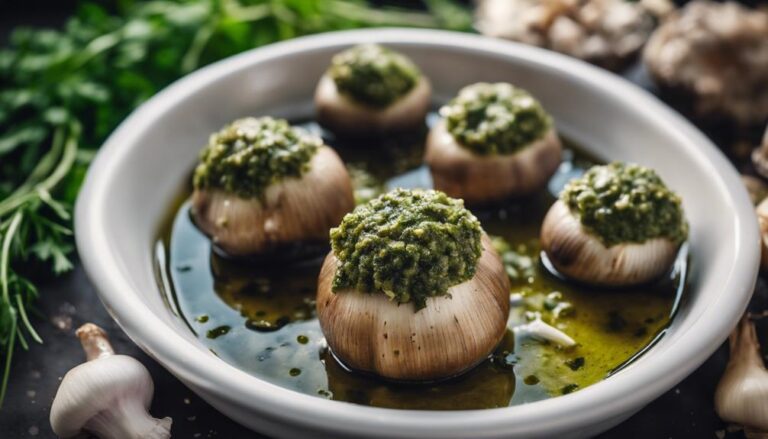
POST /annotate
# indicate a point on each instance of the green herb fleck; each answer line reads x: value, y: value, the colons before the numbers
x: 408, y: 244
x: 531, y: 380
x: 202, y: 319
x: 570, y: 388
x: 622, y: 202
x: 495, y: 118
x: 575, y: 363
x: 250, y: 154
x: 373, y: 74
x: 294, y: 372
x: 218, y: 331
x: 302, y: 339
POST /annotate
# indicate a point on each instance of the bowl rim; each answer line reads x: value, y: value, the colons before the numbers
x: 631, y: 388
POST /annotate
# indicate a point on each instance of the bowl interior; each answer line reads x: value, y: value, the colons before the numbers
x: 142, y: 166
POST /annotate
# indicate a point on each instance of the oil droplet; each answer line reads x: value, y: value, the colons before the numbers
x: 218, y: 331
x: 294, y: 372
x: 303, y: 339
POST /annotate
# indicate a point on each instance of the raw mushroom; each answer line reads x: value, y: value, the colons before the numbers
x: 608, y: 33
x: 741, y: 396
x: 476, y: 178
x: 290, y: 210
x: 450, y: 335
x: 760, y: 156
x: 582, y: 256
x: 107, y: 396
x: 714, y: 56
x: 347, y: 116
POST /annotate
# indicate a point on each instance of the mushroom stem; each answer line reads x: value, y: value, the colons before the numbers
x: 94, y: 341
x: 128, y: 420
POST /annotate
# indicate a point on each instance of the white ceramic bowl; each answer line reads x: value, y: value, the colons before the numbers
x: 140, y: 168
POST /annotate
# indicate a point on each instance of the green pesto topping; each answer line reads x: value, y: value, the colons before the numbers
x: 373, y: 75
x: 621, y: 203
x: 250, y: 154
x: 495, y: 118
x: 408, y: 244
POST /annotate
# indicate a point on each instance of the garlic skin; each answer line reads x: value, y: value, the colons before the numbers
x: 453, y: 333
x: 292, y: 210
x: 108, y: 395
x: 481, y: 179
x: 577, y: 254
x: 742, y: 393
x: 345, y: 116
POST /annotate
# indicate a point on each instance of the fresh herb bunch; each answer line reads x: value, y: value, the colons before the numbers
x: 64, y: 91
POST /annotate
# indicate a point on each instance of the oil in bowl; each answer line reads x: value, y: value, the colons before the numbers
x: 260, y: 316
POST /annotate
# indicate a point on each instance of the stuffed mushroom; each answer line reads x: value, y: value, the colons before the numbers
x: 369, y: 90
x: 412, y: 289
x: 262, y: 185
x: 494, y: 141
x: 617, y: 225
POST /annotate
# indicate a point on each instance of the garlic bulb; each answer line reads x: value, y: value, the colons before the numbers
x: 291, y: 210
x: 107, y: 396
x: 582, y: 256
x: 482, y: 179
x: 343, y: 115
x: 742, y: 394
x: 450, y: 335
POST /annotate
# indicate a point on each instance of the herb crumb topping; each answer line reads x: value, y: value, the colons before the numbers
x: 407, y: 244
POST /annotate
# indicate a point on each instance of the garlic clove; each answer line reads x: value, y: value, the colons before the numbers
x: 741, y: 396
x: 538, y: 329
x: 343, y: 115
x: 452, y: 334
x: 577, y: 254
x: 482, y: 179
x: 294, y: 209
x: 108, y: 395
x: 762, y: 219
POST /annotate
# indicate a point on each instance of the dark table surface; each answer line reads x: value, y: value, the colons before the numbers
x: 686, y: 411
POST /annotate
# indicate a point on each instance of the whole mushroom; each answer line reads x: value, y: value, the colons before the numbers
x: 263, y: 185
x: 608, y: 33
x: 714, y: 56
x: 495, y: 141
x: 618, y: 225
x: 108, y: 395
x: 413, y: 290
x: 370, y: 90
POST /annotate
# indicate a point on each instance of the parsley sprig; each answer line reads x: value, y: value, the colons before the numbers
x: 65, y: 91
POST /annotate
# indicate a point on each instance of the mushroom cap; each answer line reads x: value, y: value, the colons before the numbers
x: 479, y: 179
x: 453, y: 333
x: 96, y: 386
x: 345, y: 116
x: 578, y: 254
x: 294, y: 209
